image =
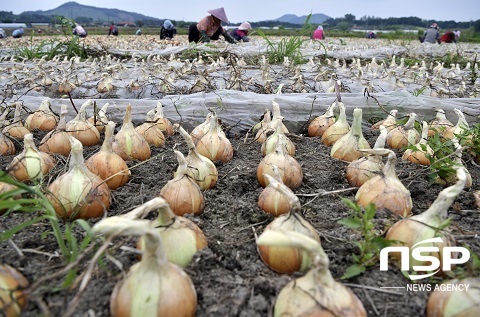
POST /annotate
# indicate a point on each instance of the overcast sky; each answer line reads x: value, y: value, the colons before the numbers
x: 258, y: 10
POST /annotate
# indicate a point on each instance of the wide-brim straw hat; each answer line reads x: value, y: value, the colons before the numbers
x: 219, y: 14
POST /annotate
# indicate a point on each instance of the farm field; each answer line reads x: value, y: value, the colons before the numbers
x: 237, y: 82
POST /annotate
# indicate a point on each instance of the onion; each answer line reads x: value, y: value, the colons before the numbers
x: 78, y: 193
x: 31, y: 164
x: 459, y: 129
x: 288, y: 168
x: 273, y: 201
x: 264, y: 120
x: 410, y: 231
x: 390, y: 122
x: 278, y: 136
x: 81, y: 129
x: 43, y: 118
x: 440, y: 124
x: 422, y: 152
x: 108, y: 164
x: 321, y: 123
x: 4, y: 188
x: 450, y: 178
x: 443, y: 302
x: 100, y: 120
x: 160, y: 121
x: 182, y: 192
x: 12, y: 296
x: 58, y: 140
x: 200, y: 168
x: 199, y: 131
x: 152, y: 287
x: 402, y: 136
x: 66, y: 87
x: 128, y: 143
x: 287, y: 259
x: 16, y: 129
x: 6, y: 145
x: 214, y: 144
x: 347, y: 147
x: 269, y: 125
x: 316, y: 293
x: 181, y: 237
x: 105, y: 84
x: 362, y: 169
x: 385, y: 190
x: 151, y: 131
x: 338, y: 129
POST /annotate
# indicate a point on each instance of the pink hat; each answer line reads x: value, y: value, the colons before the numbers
x: 219, y: 14
x: 245, y: 26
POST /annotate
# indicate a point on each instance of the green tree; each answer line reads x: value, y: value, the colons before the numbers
x: 343, y: 26
x: 139, y: 23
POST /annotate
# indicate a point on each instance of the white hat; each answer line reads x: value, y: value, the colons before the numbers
x: 245, y: 26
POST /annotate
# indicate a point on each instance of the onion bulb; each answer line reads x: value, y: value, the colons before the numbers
x: 321, y: 123
x: 16, y: 129
x: 182, y: 192
x: 385, y: 190
x: 409, y: 231
x: 58, y: 140
x: 362, y: 169
x: 390, y: 122
x: 347, y: 147
x: 81, y: 129
x: 316, y: 293
x: 181, y: 237
x: 43, y: 118
x: 288, y: 168
x: 105, y: 84
x: 12, y: 296
x: 278, y: 136
x: 268, y: 124
x: 214, y: 144
x: 108, y: 164
x: 6, y: 145
x: 200, y: 168
x: 447, y: 301
x: 199, y: 131
x: 271, y: 200
x: 100, y: 120
x: 288, y: 259
x: 161, y: 122
x: 78, y: 193
x: 66, y: 87
x: 338, y: 129
x: 128, y: 143
x: 422, y: 152
x: 151, y: 131
x: 152, y: 287
x: 402, y: 136
x: 460, y: 128
x: 440, y: 124
x: 449, y: 178
x: 264, y: 120
x: 31, y: 164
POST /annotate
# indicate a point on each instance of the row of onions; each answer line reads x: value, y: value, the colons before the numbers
x: 288, y: 244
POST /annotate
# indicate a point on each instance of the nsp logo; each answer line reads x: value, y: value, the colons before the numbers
x: 425, y: 254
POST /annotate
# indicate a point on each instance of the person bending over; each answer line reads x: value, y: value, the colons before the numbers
x: 210, y: 28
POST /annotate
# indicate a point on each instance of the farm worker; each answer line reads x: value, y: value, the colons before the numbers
x: 210, y: 28
x: 240, y: 33
x: 168, y: 30
x: 79, y: 30
x: 318, y: 34
x: 139, y: 32
x: 448, y: 37
x: 2, y: 34
x: 431, y: 35
x: 18, y: 33
x: 113, y: 30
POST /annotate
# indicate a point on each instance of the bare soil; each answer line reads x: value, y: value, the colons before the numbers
x: 229, y: 276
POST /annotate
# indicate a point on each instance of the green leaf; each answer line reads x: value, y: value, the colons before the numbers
x: 353, y: 270
x: 370, y: 211
x: 350, y: 204
x: 350, y: 222
x: 381, y: 242
x: 9, y: 233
